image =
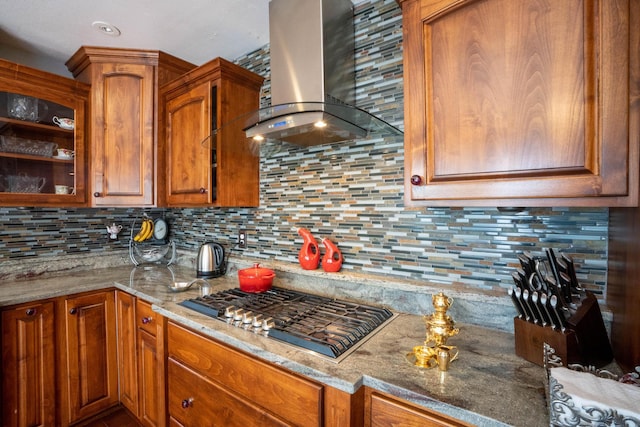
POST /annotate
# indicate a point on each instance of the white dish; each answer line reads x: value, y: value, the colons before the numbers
x: 64, y: 123
x: 63, y: 157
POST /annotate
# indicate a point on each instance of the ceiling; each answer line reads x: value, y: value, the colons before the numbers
x: 44, y: 34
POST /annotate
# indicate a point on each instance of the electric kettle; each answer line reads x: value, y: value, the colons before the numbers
x: 211, y: 262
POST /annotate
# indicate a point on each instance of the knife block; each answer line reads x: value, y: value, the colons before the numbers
x: 530, y: 338
x: 585, y: 340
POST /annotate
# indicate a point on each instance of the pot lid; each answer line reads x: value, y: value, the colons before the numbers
x: 256, y: 271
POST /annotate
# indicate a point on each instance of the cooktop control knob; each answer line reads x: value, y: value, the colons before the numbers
x: 257, y: 321
x: 237, y: 314
x: 267, y: 324
x: 228, y: 312
x: 247, y: 317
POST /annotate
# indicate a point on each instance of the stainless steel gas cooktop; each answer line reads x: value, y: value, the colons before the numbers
x: 324, y: 326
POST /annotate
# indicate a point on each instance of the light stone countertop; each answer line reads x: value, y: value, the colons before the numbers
x: 487, y: 386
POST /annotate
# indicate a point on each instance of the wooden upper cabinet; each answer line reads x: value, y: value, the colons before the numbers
x: 32, y: 102
x: 521, y: 103
x: 204, y: 169
x: 189, y: 170
x: 124, y: 116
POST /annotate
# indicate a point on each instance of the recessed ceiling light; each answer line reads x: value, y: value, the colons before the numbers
x: 106, y: 28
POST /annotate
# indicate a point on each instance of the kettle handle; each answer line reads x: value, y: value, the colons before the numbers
x: 218, y: 255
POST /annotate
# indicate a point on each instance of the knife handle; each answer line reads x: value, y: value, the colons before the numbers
x: 517, y: 279
x: 543, y: 302
x: 516, y: 303
x: 536, y: 304
x: 525, y: 309
x: 556, y: 310
x: 571, y: 271
x: 530, y: 309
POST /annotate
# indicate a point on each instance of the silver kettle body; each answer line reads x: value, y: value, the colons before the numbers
x: 211, y: 261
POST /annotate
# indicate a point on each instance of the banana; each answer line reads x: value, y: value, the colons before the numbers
x: 144, y: 228
x: 149, y: 232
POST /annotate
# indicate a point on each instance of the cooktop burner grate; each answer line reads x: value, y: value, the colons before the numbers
x: 323, y: 325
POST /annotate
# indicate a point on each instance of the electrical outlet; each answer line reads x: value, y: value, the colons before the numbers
x: 242, y: 239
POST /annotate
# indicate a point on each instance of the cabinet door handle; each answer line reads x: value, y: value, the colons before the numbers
x: 187, y: 403
x: 416, y: 179
x: 73, y: 311
x: 146, y: 320
x: 96, y: 194
x: 203, y: 190
x: 30, y: 311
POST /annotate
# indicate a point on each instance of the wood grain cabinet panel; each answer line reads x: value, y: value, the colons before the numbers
x: 127, y: 351
x: 151, y: 367
x: 141, y: 359
x: 286, y: 396
x: 521, y: 103
x: 151, y: 380
x: 387, y: 411
x: 124, y: 157
x: 189, y: 169
x: 196, y: 401
x: 220, y: 170
x: 28, y: 377
x: 89, y: 376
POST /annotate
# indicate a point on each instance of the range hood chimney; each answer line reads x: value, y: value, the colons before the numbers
x: 312, y: 77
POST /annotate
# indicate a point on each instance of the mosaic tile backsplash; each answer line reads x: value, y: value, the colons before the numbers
x: 351, y: 193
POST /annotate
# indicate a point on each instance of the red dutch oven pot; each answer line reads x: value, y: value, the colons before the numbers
x: 256, y: 279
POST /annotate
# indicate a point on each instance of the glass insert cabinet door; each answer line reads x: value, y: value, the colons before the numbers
x: 38, y: 150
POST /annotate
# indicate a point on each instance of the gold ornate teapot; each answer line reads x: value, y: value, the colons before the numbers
x: 440, y: 327
x: 440, y: 324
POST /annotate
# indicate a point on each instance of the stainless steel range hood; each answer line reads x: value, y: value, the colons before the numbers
x: 312, y: 77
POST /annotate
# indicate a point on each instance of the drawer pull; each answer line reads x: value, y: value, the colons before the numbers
x: 73, y: 311
x: 30, y: 311
x: 146, y: 320
x: 187, y: 403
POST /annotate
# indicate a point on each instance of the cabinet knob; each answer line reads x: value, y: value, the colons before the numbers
x: 187, y: 403
x: 146, y: 320
x: 96, y: 194
x: 73, y: 311
x: 416, y: 179
x: 30, y: 311
x: 203, y: 190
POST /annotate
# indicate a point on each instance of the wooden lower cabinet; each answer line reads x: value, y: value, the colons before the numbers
x: 28, y: 377
x: 62, y: 359
x: 151, y: 356
x: 382, y: 410
x: 88, y: 377
x: 209, y: 382
x: 140, y: 359
x: 127, y: 351
x: 59, y: 360
x: 195, y: 400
